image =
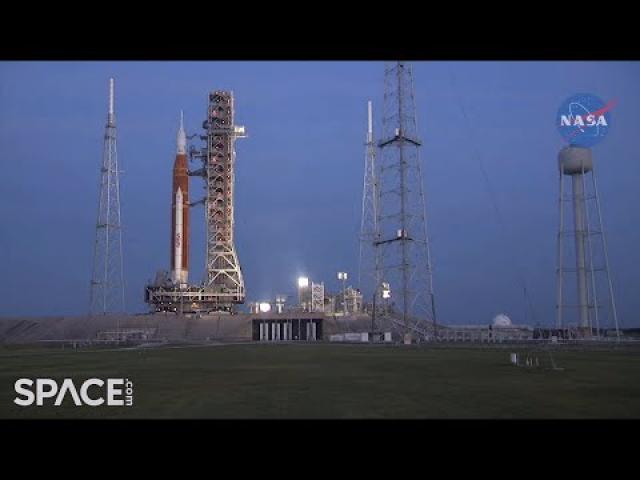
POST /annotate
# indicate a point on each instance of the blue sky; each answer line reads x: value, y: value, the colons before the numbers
x: 299, y: 175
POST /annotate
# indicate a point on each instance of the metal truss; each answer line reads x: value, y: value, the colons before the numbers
x: 402, y: 244
x: 107, y: 280
x: 369, y: 234
x: 223, y: 273
x: 317, y: 297
x: 588, y: 309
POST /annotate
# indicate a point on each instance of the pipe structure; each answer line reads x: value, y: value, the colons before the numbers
x: 576, y: 162
x: 580, y: 236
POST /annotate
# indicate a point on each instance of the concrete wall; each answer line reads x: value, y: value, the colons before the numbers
x: 168, y: 327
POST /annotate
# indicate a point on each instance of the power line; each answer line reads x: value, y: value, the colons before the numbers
x: 492, y: 196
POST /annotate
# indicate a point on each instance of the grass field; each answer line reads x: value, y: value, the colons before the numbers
x: 336, y: 381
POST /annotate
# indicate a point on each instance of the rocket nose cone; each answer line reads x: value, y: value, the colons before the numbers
x: 181, y: 140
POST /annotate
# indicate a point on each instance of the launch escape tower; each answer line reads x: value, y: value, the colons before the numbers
x: 223, y: 285
x: 107, y: 281
x: 403, y: 263
x: 585, y: 310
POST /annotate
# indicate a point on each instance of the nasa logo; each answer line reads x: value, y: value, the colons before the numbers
x: 584, y: 119
x: 119, y: 392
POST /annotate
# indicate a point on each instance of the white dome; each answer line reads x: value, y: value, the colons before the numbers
x: 501, y: 320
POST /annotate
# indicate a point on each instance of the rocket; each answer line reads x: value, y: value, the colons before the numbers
x: 180, y: 211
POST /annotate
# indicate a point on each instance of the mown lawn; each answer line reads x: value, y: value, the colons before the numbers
x: 336, y: 381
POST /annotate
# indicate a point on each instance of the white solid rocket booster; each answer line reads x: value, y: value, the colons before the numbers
x: 179, y: 237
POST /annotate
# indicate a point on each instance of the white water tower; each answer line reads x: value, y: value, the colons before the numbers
x: 583, y: 258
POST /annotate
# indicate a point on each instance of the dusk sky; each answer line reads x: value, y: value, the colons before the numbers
x: 299, y: 176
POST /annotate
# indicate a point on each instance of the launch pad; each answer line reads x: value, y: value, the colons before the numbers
x: 223, y: 286
x: 187, y: 299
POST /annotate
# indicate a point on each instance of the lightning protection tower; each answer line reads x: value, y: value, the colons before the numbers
x: 107, y: 281
x: 402, y: 243
x: 369, y: 227
x: 578, y: 304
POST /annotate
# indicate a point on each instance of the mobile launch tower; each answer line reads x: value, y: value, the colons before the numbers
x: 223, y: 274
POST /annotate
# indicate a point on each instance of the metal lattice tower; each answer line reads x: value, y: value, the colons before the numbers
x: 585, y: 310
x: 224, y: 279
x: 403, y: 246
x: 107, y: 281
x: 317, y: 297
x: 369, y: 227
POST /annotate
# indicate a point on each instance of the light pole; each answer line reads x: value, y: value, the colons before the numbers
x: 303, y: 284
x: 280, y: 301
x: 343, y: 276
